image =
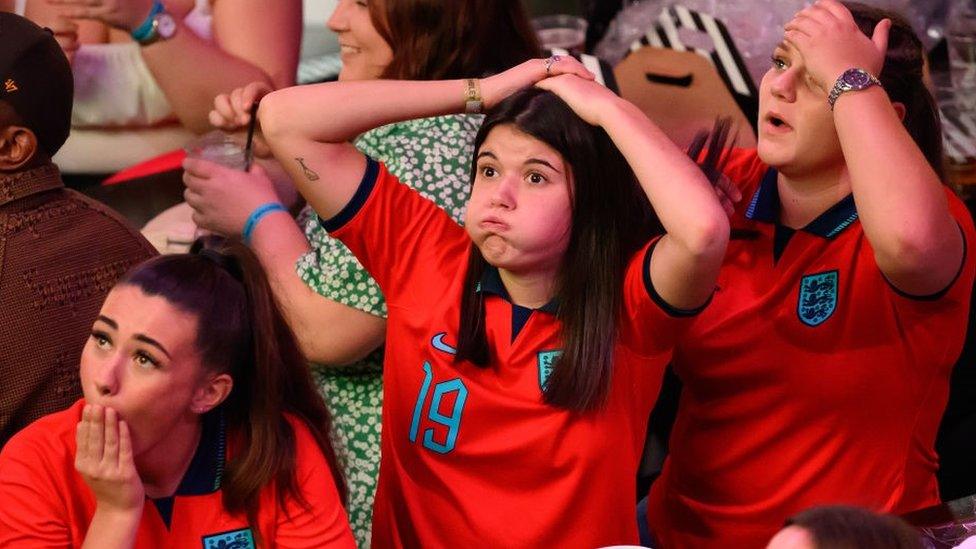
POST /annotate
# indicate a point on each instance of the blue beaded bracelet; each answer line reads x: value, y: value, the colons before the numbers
x: 255, y: 217
x: 142, y: 32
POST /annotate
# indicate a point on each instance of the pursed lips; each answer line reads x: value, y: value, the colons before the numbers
x: 493, y: 224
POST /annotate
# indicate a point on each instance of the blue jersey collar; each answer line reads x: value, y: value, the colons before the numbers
x: 206, y: 469
x: 765, y: 206
x: 491, y: 283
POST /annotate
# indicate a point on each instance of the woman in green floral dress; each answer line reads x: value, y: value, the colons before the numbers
x: 334, y: 307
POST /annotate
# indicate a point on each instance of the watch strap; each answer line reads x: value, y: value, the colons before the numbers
x: 472, y: 96
x: 146, y: 30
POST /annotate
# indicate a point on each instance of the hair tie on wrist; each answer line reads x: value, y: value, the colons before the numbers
x: 255, y: 217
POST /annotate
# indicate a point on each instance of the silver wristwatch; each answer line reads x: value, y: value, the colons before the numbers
x: 852, y: 80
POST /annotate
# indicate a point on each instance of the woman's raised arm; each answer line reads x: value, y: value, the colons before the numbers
x: 686, y: 261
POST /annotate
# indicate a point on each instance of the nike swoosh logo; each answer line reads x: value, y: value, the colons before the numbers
x: 438, y: 343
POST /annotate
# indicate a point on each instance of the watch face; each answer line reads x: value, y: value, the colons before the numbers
x: 857, y: 79
x: 166, y: 26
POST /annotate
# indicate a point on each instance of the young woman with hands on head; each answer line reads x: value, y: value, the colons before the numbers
x: 843, y: 300
x: 200, y: 424
x: 524, y: 351
x: 334, y: 306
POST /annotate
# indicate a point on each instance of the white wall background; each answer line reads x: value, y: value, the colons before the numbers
x: 317, y: 39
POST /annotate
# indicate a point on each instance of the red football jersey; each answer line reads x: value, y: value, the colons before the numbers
x: 809, y: 379
x: 473, y: 456
x: 45, y: 503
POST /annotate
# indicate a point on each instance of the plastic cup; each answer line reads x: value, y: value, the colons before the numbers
x: 566, y: 32
x: 218, y: 147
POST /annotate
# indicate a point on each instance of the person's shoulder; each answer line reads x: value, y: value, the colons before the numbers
x: 303, y: 433
x: 48, y: 438
x: 110, y: 220
x: 310, y: 460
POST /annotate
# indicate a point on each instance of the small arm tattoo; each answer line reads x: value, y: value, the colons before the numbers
x: 311, y: 175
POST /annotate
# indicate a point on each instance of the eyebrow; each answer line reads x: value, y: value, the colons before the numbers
x: 150, y: 341
x: 529, y: 161
x: 139, y: 337
x: 543, y: 162
x: 109, y: 321
x: 783, y: 47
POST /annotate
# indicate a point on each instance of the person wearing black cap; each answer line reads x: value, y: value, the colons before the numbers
x: 60, y: 252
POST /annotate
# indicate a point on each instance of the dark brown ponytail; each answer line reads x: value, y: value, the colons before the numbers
x: 242, y: 331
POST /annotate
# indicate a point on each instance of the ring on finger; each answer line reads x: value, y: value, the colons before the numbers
x: 549, y: 62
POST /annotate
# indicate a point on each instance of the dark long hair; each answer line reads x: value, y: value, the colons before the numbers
x: 611, y: 220
x: 445, y: 39
x: 902, y: 79
x: 241, y: 331
x: 846, y: 527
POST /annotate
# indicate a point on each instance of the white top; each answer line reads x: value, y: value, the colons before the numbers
x: 119, y: 111
x: 115, y: 88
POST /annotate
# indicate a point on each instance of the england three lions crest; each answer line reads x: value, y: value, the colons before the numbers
x: 818, y: 298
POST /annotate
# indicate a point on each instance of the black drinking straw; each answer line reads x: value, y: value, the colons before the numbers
x: 249, y: 146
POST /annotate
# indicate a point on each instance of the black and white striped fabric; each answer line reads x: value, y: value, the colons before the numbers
x: 600, y: 68
x: 959, y: 136
x: 724, y: 56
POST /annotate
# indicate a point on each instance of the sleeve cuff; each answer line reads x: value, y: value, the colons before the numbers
x: 656, y: 297
x: 941, y: 293
x: 357, y: 201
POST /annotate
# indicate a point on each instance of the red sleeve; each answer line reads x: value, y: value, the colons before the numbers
x: 32, y: 512
x: 649, y: 325
x: 323, y: 522
x: 399, y: 236
x: 957, y: 293
x: 936, y: 324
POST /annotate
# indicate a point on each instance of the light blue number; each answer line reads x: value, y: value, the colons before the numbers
x: 452, y: 422
x: 415, y: 424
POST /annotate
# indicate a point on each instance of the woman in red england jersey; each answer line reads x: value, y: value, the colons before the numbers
x: 199, y: 425
x: 523, y: 352
x: 820, y: 372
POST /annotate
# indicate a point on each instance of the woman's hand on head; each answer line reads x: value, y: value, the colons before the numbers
x: 496, y: 88
x: 588, y: 98
x: 222, y: 198
x: 830, y: 42
x: 104, y: 459
x: 121, y: 14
